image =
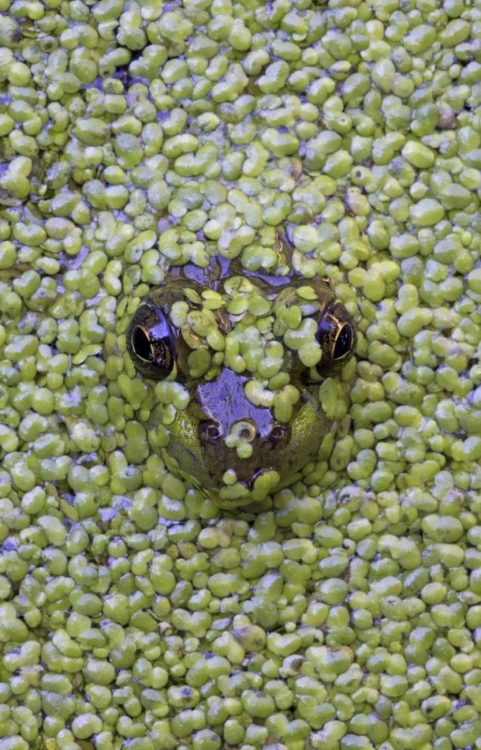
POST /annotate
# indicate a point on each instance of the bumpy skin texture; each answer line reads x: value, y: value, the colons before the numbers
x: 241, y: 433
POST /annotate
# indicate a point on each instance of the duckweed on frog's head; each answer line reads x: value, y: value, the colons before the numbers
x: 249, y: 356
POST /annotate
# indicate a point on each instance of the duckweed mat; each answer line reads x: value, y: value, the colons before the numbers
x: 344, y: 613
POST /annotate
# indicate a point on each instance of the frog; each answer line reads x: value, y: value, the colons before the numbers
x: 246, y: 354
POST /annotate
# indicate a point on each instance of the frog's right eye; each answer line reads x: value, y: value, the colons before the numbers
x: 337, y: 338
x: 150, y: 342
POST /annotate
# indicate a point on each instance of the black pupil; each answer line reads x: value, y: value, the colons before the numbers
x: 343, y: 342
x: 141, y: 344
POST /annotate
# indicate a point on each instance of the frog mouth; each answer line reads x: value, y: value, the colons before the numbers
x: 241, y: 456
x: 241, y: 493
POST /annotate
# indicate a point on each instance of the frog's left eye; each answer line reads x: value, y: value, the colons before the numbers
x: 150, y: 342
x: 337, y: 337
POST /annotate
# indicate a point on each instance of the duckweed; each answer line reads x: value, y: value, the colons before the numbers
x: 341, y: 609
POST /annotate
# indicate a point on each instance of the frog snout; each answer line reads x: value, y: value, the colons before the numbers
x: 242, y: 434
x: 228, y: 413
x: 223, y: 440
x: 235, y: 434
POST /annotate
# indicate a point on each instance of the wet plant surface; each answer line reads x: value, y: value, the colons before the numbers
x: 145, y: 140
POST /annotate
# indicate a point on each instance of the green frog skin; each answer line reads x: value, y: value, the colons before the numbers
x: 247, y: 355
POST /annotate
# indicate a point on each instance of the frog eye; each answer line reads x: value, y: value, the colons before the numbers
x: 337, y: 337
x: 150, y: 342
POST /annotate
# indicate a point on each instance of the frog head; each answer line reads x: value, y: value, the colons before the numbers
x: 250, y: 356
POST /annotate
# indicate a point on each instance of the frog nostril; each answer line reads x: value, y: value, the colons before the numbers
x: 278, y: 432
x: 209, y: 430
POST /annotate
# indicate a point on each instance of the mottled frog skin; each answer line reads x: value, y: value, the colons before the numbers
x: 246, y: 355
